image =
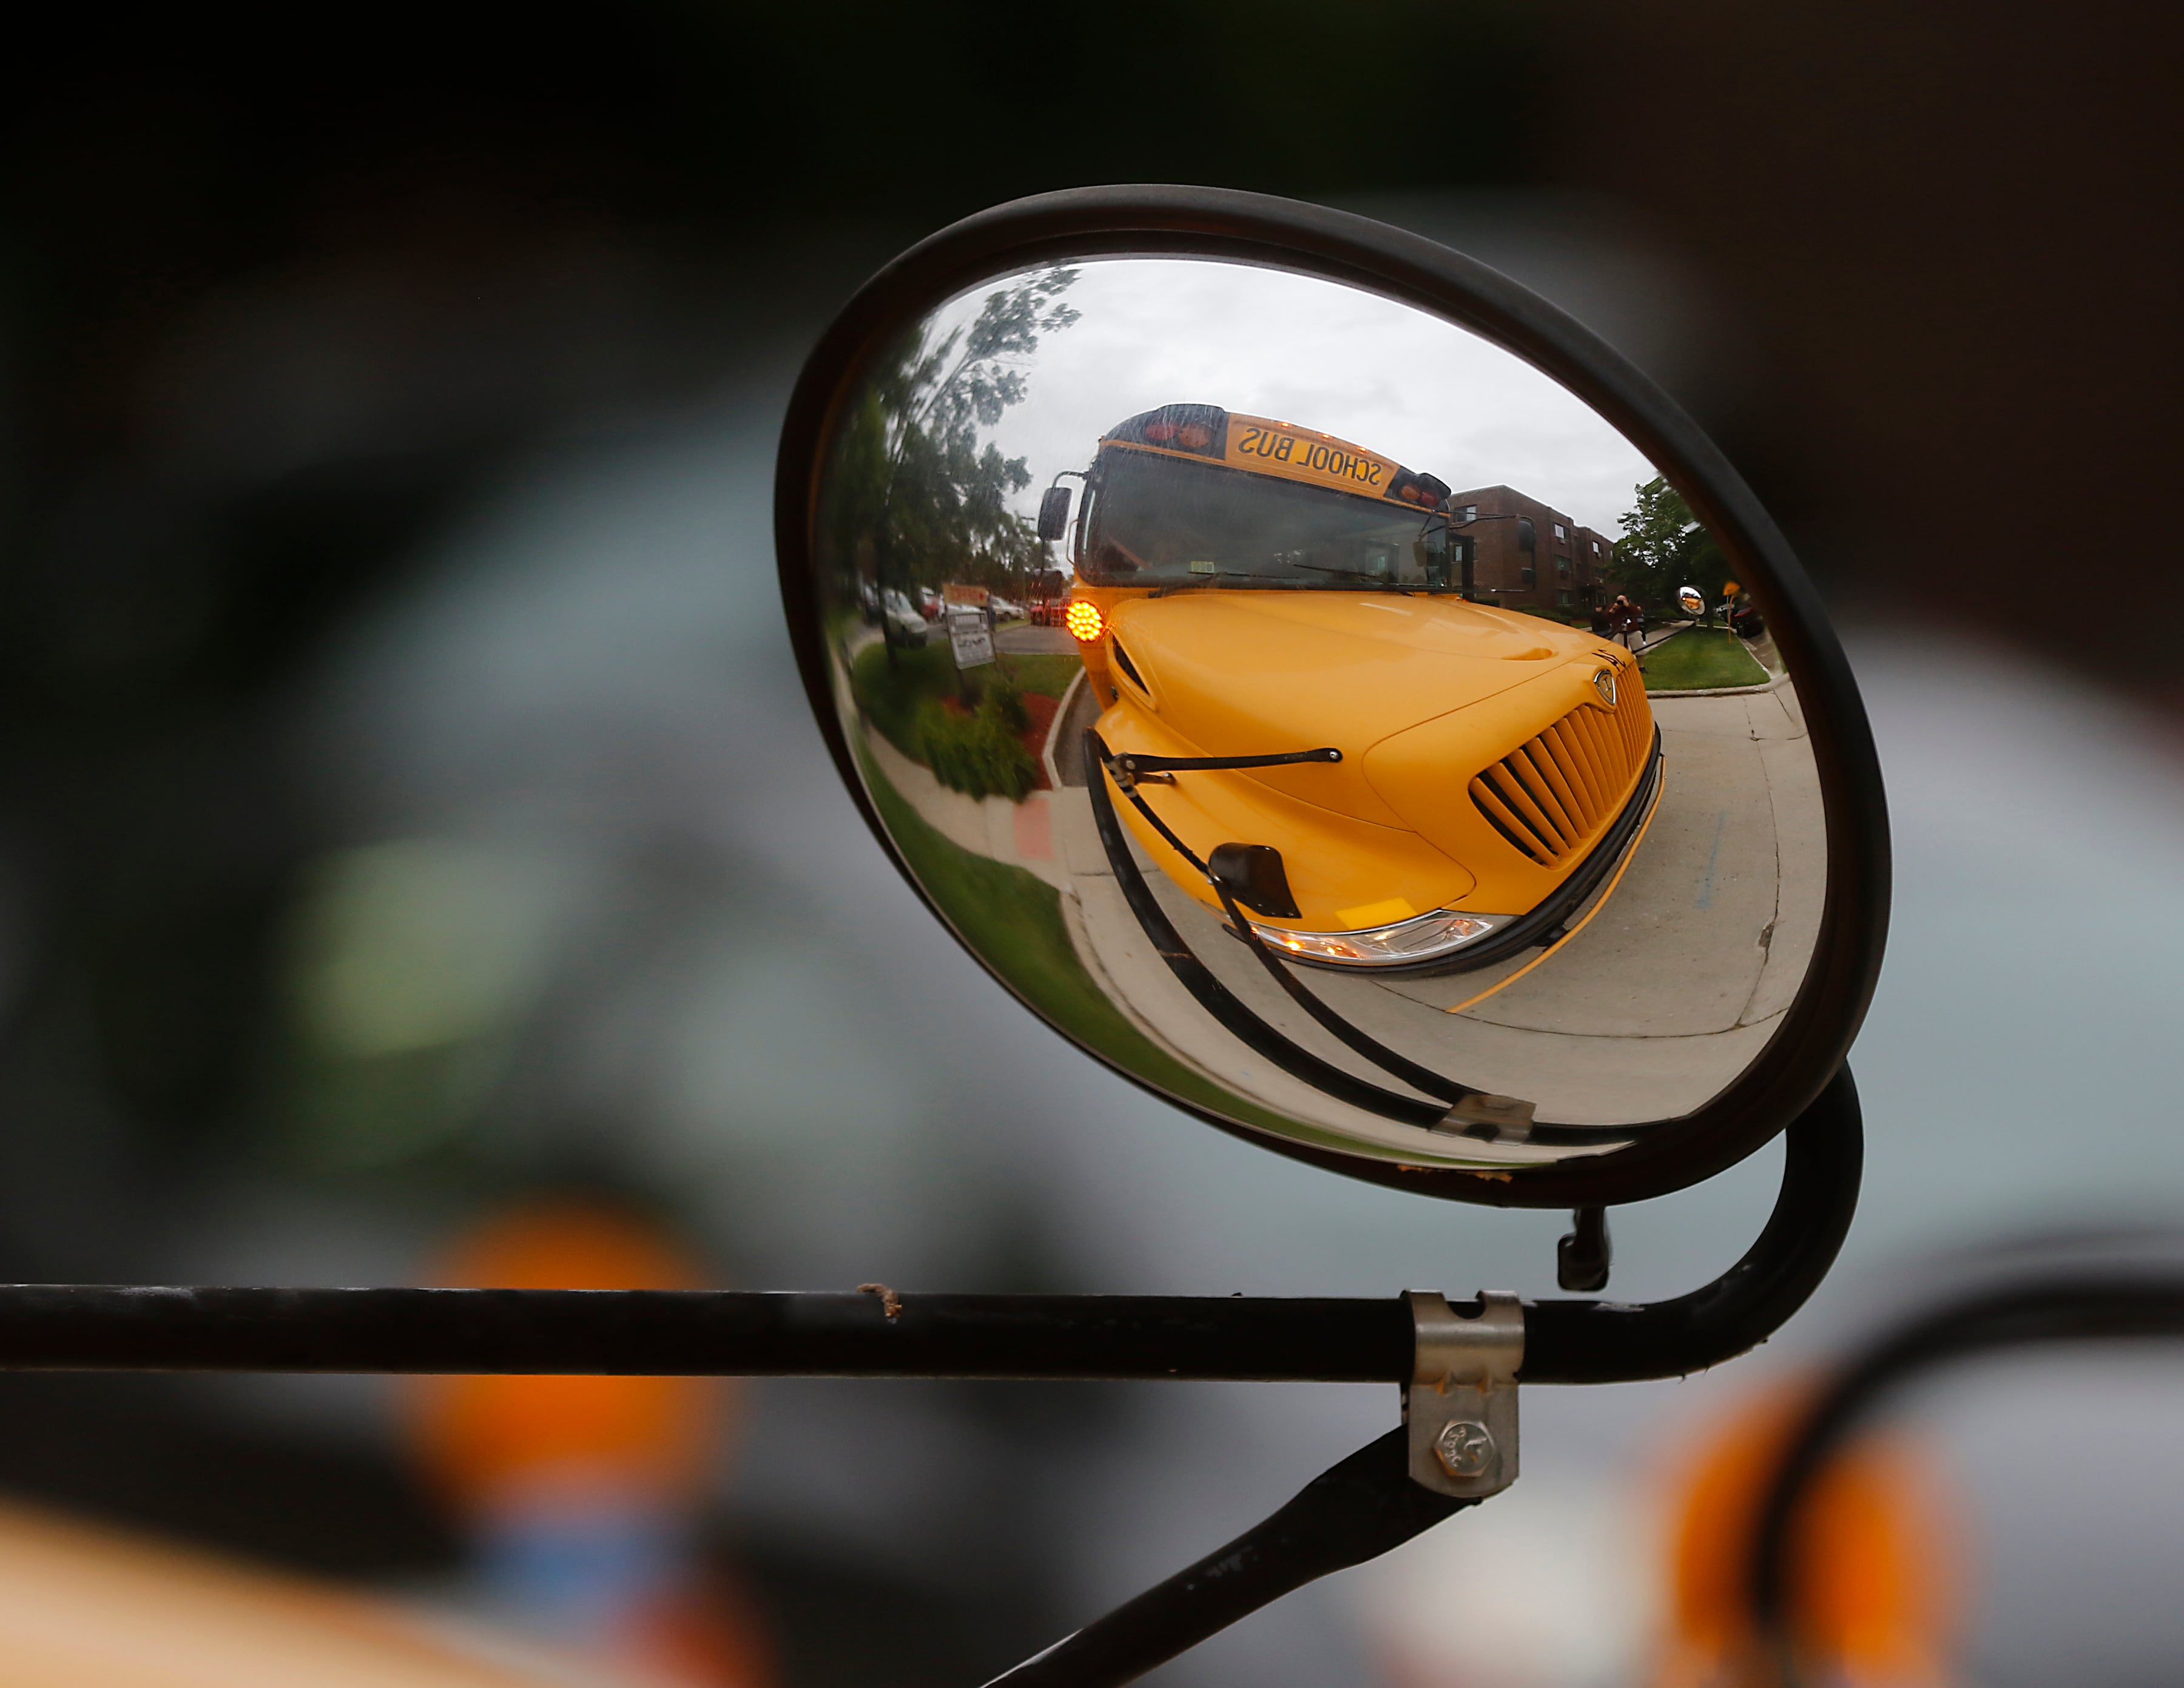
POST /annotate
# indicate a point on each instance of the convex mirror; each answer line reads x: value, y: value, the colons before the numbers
x: 1268, y: 641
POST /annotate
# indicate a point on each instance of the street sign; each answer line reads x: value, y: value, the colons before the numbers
x: 970, y: 635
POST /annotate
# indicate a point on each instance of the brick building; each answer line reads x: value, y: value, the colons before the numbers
x: 1530, y: 555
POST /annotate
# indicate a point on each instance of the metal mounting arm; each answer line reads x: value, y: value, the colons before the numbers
x: 1386, y: 1493
x: 1363, y: 1507
x: 1357, y: 1510
x: 90, y: 1327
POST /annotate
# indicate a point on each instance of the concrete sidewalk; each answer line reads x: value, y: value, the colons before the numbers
x: 1659, y: 1001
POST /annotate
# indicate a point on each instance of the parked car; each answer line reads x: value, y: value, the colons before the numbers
x: 906, y: 625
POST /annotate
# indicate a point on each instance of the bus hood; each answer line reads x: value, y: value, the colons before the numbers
x: 1240, y: 673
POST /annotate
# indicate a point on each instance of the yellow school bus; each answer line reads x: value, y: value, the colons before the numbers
x: 86, y: 1607
x: 1429, y: 784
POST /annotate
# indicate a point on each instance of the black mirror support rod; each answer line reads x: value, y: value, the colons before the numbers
x: 1360, y: 1508
x: 92, y: 1326
x: 1583, y: 1257
x: 2085, y: 1304
x: 1357, y: 1510
x: 1598, y: 1342
x: 1370, y: 1504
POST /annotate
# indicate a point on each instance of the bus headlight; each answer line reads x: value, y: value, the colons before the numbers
x: 1423, y: 938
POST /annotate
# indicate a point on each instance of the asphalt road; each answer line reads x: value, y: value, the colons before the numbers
x: 1022, y: 638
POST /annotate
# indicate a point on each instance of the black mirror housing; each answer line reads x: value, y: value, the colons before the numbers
x: 1207, y: 829
x: 1054, y: 513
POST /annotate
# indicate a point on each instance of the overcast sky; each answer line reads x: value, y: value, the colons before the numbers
x: 1383, y: 376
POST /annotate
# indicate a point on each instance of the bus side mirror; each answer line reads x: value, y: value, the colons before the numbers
x: 1422, y: 803
x: 1054, y: 513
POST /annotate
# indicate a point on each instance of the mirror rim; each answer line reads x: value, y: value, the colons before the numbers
x: 1226, y: 225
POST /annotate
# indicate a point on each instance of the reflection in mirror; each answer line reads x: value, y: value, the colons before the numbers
x: 1294, y: 698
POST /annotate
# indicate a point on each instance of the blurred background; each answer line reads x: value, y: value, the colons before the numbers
x: 416, y: 863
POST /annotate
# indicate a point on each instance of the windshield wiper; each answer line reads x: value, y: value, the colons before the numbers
x: 1168, y: 585
x: 1131, y: 770
x: 1365, y: 575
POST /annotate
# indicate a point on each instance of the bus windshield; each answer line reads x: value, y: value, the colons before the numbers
x: 1160, y: 520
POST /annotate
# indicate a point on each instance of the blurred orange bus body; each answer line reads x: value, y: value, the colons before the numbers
x: 82, y: 1606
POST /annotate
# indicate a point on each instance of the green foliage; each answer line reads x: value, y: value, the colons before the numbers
x: 895, y: 696
x: 1664, y: 547
x: 977, y: 754
x: 1013, y: 921
x: 1048, y: 675
x: 999, y: 692
x: 1699, y: 658
x: 913, y: 496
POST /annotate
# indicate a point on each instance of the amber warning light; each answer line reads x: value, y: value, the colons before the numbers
x: 1083, y: 620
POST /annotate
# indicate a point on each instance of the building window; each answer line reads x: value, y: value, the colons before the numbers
x: 1564, y: 599
x: 1560, y: 532
x: 1527, y: 574
x: 1562, y: 568
x: 1466, y: 514
x: 1596, y: 547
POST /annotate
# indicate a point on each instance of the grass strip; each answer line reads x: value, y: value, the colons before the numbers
x: 892, y: 695
x: 1047, y: 675
x: 1012, y: 920
x: 1699, y: 659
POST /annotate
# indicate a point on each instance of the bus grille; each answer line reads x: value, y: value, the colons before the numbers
x: 1551, y: 794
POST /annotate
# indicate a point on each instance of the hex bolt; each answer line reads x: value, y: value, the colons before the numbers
x: 1465, y: 1448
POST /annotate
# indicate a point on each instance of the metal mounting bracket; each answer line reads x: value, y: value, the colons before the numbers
x: 1461, y: 1406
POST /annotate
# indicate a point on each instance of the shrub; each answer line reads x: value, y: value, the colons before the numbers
x: 977, y: 755
x: 895, y: 693
x: 1002, y: 696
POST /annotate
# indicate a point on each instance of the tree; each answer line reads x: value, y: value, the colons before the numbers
x: 1664, y: 547
x: 914, y: 497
